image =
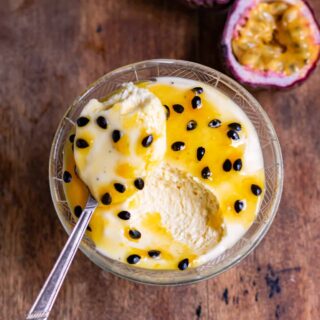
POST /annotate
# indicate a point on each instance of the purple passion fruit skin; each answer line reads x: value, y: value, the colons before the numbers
x: 218, y: 4
x: 291, y: 36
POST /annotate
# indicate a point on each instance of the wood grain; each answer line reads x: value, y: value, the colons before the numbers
x: 49, y: 52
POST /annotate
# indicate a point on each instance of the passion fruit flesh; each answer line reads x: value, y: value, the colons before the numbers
x: 275, y: 38
x: 274, y: 43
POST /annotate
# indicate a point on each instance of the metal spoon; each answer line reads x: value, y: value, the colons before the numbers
x: 45, y: 300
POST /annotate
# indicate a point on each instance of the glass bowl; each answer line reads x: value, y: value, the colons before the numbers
x: 146, y: 70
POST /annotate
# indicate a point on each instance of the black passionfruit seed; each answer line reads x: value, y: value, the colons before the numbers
x: 237, y: 165
x: 238, y: 206
x: 215, y: 123
x: 82, y: 121
x: 178, y: 108
x: 196, y: 102
x: 146, y: 142
x: 191, y: 125
x: 67, y: 177
x: 167, y: 111
x: 197, y: 90
x: 119, y: 187
x: 134, y: 234
x: 82, y: 144
x: 71, y: 138
x: 206, y: 173
x: 139, y: 183
x: 133, y: 259
x: 116, y: 135
x: 235, y: 126
x: 77, y: 211
x: 178, y: 146
x: 102, y: 122
x: 124, y: 215
x: 232, y: 134
x: 200, y: 153
x: 183, y: 264
x: 106, y: 198
x: 154, y: 253
x: 227, y: 165
x: 256, y: 190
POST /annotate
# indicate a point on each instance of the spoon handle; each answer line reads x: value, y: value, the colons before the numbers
x: 45, y: 300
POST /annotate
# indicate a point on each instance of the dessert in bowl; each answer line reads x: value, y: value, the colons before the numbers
x: 184, y: 163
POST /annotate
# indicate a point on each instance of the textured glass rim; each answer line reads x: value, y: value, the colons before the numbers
x: 246, y: 249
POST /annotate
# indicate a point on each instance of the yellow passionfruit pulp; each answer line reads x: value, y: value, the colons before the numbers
x: 271, y: 43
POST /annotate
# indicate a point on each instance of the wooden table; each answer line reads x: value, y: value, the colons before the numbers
x: 49, y: 52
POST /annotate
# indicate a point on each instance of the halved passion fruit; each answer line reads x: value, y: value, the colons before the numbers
x: 271, y: 43
x: 207, y: 3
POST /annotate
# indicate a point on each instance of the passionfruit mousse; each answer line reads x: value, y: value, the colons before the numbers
x: 271, y: 43
x: 176, y: 167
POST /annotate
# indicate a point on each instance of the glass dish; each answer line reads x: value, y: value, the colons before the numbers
x: 146, y: 70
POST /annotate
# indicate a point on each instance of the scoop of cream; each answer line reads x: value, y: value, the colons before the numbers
x: 125, y: 138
